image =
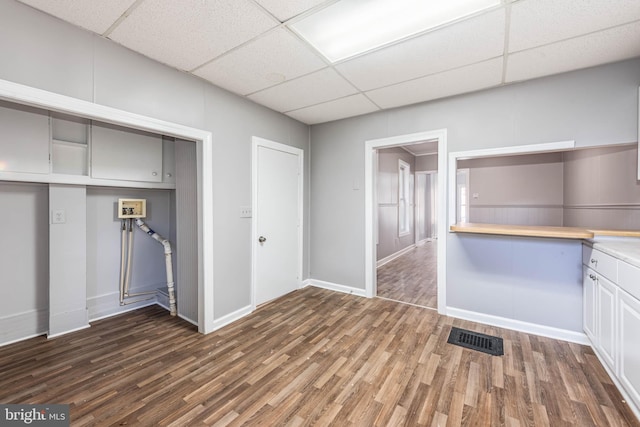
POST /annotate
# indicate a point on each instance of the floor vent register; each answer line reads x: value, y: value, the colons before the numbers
x: 476, y: 341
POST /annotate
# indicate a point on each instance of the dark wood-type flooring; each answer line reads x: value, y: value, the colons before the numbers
x: 313, y: 357
x: 411, y: 278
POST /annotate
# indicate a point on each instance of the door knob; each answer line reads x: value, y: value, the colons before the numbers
x: 262, y: 239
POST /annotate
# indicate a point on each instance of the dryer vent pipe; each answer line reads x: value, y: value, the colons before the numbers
x: 167, y: 257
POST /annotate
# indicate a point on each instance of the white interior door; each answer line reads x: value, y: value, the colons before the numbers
x: 277, y: 225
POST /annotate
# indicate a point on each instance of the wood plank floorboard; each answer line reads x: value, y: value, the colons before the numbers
x: 313, y: 357
x: 412, y: 277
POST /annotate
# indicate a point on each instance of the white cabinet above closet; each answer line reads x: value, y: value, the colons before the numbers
x: 24, y: 141
x: 49, y: 147
x: 126, y: 154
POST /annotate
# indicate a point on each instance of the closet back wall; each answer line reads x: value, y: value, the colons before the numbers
x: 103, y: 247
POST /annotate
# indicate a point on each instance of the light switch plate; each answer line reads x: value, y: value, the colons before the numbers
x: 58, y: 216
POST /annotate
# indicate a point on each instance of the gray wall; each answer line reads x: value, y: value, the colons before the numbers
x: 601, y: 188
x: 46, y: 53
x: 522, y: 190
x: 427, y: 163
x: 24, y: 260
x: 389, y: 242
x: 596, y: 106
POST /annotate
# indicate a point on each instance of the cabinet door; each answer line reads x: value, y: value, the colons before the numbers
x: 589, y: 288
x: 606, y: 321
x: 629, y: 373
x: 125, y: 154
x: 24, y: 142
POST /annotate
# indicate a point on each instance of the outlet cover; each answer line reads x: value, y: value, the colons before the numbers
x: 245, y: 212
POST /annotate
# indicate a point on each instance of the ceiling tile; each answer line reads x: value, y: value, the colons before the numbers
x: 466, y: 79
x: 350, y: 106
x: 598, y: 48
x: 538, y: 22
x: 470, y: 41
x: 321, y: 86
x: 96, y: 16
x: 188, y: 33
x: 264, y: 62
x: 287, y: 9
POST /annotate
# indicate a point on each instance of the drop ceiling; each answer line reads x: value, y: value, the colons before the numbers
x: 246, y: 47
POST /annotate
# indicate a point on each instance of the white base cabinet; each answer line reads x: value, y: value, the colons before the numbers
x: 606, y: 318
x: 611, y: 291
x: 629, y: 371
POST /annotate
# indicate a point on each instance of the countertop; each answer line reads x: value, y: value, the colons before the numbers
x: 625, y: 249
x: 541, y: 231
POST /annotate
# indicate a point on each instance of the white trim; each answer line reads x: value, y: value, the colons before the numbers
x: 404, y: 197
x: 370, y: 208
x: 488, y: 152
x: 58, y: 178
x: 393, y: 256
x: 126, y: 310
x: 38, y: 98
x: 26, y: 337
x: 518, y: 325
x: 231, y: 317
x: 261, y: 142
x: 108, y: 304
x: 337, y: 288
x: 67, y: 331
x: 21, y: 326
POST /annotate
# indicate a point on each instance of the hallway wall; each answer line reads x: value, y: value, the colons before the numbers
x: 389, y: 240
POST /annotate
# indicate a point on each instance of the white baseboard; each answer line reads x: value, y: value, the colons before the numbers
x: 67, y: 331
x: 518, y: 325
x: 166, y: 307
x: 21, y: 326
x: 335, y: 287
x: 125, y: 309
x: 231, y: 317
x: 391, y: 257
x: 107, y: 305
x: 68, y: 321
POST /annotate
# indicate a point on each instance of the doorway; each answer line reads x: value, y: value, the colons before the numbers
x: 406, y: 249
x: 439, y: 137
x: 276, y: 220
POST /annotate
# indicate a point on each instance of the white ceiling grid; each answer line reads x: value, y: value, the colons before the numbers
x: 246, y: 47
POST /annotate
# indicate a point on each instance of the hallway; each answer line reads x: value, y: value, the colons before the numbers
x: 411, y: 278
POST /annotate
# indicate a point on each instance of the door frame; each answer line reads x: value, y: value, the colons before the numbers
x: 370, y: 217
x: 415, y: 203
x: 257, y: 142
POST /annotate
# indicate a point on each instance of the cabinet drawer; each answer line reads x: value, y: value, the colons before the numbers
x: 629, y: 278
x: 602, y: 263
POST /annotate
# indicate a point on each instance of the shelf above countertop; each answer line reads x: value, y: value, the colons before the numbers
x: 540, y: 231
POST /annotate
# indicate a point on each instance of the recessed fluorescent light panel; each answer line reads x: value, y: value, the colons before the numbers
x: 351, y: 27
